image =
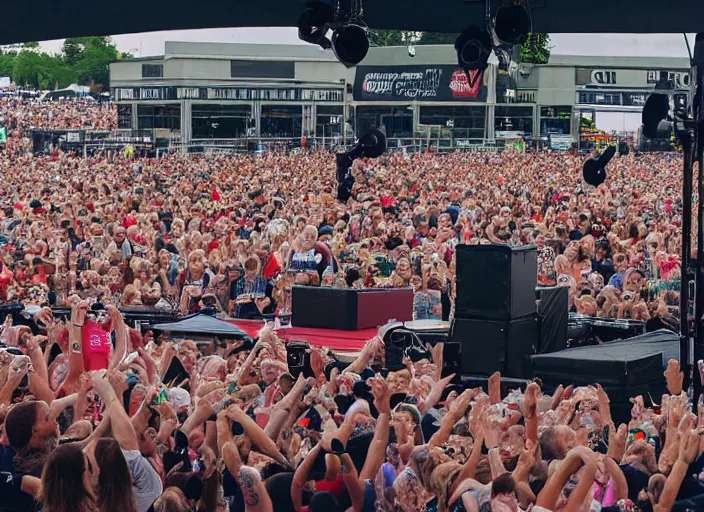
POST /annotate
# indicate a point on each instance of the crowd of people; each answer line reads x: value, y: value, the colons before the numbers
x: 20, y: 115
x: 236, y: 232
x: 95, y: 415
x: 152, y: 425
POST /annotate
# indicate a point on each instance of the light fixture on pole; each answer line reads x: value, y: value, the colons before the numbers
x: 337, y: 26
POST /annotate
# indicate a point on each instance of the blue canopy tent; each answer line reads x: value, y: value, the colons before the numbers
x: 201, y: 325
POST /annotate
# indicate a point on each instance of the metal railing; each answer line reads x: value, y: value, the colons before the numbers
x: 261, y: 145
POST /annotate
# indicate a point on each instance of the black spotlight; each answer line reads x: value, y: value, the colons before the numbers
x: 370, y: 145
x: 350, y: 44
x: 655, y: 116
x: 594, y: 169
x: 373, y: 143
x: 473, y: 48
x: 313, y: 24
x: 512, y: 24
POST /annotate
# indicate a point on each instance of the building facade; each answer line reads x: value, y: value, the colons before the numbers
x: 224, y: 91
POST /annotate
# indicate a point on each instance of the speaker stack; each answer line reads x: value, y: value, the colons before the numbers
x: 495, y: 326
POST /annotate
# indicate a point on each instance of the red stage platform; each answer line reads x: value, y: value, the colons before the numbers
x: 344, y: 341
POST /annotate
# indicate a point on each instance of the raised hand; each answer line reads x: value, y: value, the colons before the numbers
x: 380, y: 392
x: 20, y: 366
x: 5, y: 358
x: 44, y: 317
x: 495, y: 388
x: 101, y: 384
x: 114, y: 314
x: 459, y: 405
x: 149, y: 363
x: 638, y: 408
x: 530, y: 400
x: 526, y: 461
x: 677, y: 411
x: 601, y: 395
x: 617, y: 443
x: 85, y: 383
x: 674, y: 377
x: 689, y: 446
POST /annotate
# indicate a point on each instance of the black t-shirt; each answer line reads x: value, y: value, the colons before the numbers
x: 12, y: 499
x: 636, y: 480
x: 232, y: 490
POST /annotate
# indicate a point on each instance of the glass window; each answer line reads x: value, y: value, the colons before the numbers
x: 397, y: 121
x: 159, y: 116
x: 220, y: 121
x: 152, y: 70
x: 262, y: 69
x: 598, y: 98
x: 124, y: 116
x: 513, y: 119
x: 282, y: 121
x: 465, y: 122
x: 557, y: 120
x: 329, y: 121
x: 636, y: 99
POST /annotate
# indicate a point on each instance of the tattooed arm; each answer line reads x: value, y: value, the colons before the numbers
x: 256, y: 499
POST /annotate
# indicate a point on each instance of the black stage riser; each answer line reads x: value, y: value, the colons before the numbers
x: 553, y: 306
x: 487, y: 346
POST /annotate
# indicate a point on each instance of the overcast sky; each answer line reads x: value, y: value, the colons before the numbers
x: 649, y: 45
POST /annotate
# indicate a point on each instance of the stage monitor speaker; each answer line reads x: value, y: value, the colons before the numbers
x: 501, y: 345
x: 349, y: 309
x: 553, y: 310
x: 495, y: 282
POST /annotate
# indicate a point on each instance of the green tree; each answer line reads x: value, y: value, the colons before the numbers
x: 391, y: 37
x: 90, y: 59
x: 94, y: 65
x: 6, y: 62
x: 72, y: 50
x: 31, y: 45
x: 437, y: 38
x: 40, y: 70
x: 536, y: 49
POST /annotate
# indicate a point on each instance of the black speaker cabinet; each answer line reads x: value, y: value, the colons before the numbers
x: 496, y: 345
x: 495, y: 282
x: 452, y: 361
x: 553, y: 310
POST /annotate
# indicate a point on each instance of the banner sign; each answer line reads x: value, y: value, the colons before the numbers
x: 5, y: 82
x: 679, y: 79
x: 228, y: 93
x: 3, y: 135
x: 631, y: 77
x: 420, y: 83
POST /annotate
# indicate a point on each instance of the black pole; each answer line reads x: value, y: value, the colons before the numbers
x: 698, y: 115
x: 686, y: 139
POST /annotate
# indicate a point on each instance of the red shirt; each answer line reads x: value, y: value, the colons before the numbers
x: 96, y: 347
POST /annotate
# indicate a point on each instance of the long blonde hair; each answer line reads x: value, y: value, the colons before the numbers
x: 441, y: 480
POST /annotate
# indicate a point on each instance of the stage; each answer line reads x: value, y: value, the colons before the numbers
x: 341, y: 342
